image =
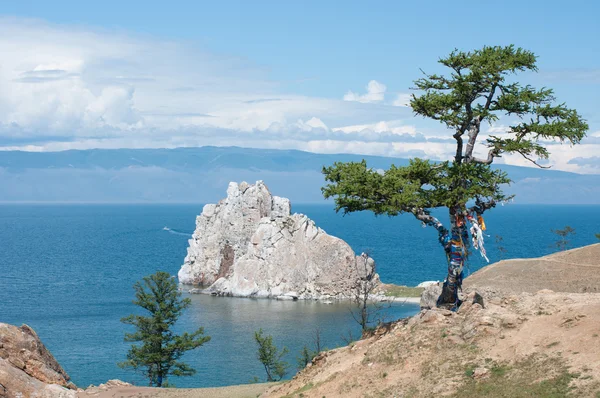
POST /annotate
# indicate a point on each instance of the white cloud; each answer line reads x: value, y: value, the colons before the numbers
x: 313, y: 123
x: 375, y: 93
x: 402, y: 100
x: 390, y: 126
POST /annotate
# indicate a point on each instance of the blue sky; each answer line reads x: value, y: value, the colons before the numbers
x: 317, y: 76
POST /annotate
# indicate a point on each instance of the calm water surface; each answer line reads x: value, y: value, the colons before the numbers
x: 68, y: 271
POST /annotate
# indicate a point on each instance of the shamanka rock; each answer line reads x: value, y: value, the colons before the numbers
x: 27, y: 368
x: 249, y: 245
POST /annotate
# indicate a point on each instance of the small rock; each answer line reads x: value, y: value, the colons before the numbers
x: 478, y: 299
x: 456, y: 340
x: 509, y: 321
x: 481, y: 373
x: 430, y: 296
x: 428, y: 283
x: 545, y: 291
x: 431, y: 316
x: 446, y: 312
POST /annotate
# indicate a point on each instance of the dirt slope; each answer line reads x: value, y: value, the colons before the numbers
x: 528, y: 341
x: 575, y: 271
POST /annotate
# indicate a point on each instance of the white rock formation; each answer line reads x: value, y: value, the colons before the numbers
x: 249, y: 245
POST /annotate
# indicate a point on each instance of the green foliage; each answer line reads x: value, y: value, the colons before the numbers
x: 306, y: 357
x: 306, y: 354
x: 548, y: 378
x: 271, y: 357
x: 598, y: 236
x: 157, y: 357
x: 420, y: 185
x: 562, y: 243
x: 478, y: 88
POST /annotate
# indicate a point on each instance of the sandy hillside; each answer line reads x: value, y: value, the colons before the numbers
x: 574, y: 271
x: 528, y: 341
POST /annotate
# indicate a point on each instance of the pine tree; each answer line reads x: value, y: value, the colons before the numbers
x: 306, y: 354
x: 478, y: 89
x: 157, y: 357
x: 271, y: 357
x: 562, y: 243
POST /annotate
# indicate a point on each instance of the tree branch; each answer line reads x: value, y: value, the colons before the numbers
x: 475, y: 127
x: 421, y: 215
x: 459, y: 146
x: 473, y: 133
x: 533, y: 161
x: 490, y: 158
x: 480, y: 207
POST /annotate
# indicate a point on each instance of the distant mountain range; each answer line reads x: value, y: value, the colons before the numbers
x: 201, y: 175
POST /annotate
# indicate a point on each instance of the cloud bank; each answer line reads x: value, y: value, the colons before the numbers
x: 64, y: 87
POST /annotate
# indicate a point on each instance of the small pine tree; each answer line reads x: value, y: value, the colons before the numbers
x: 500, y: 246
x: 598, y: 236
x: 306, y: 357
x: 157, y: 357
x: 306, y: 354
x: 270, y: 356
x: 562, y: 243
x: 366, y: 312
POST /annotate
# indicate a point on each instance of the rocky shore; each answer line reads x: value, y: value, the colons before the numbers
x: 27, y: 368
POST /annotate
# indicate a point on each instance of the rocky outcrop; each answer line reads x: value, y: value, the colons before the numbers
x: 27, y: 368
x: 250, y: 245
x: 430, y: 295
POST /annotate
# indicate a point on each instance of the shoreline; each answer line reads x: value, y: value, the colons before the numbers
x: 387, y: 292
x: 125, y: 391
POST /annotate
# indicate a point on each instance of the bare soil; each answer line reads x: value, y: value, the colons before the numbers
x: 574, y: 271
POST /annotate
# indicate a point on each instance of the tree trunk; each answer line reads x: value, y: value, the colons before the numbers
x: 455, y: 243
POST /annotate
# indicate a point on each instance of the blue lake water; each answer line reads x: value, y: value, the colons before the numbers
x: 68, y: 271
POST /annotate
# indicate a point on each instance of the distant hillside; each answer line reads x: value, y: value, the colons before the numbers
x: 200, y: 175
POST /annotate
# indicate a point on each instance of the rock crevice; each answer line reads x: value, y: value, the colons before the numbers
x: 250, y: 245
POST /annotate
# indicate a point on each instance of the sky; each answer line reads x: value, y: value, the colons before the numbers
x: 326, y: 77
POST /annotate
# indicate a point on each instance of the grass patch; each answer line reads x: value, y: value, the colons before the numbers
x: 499, y: 370
x: 548, y: 378
x: 470, y: 370
x: 402, y: 291
x: 299, y: 392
